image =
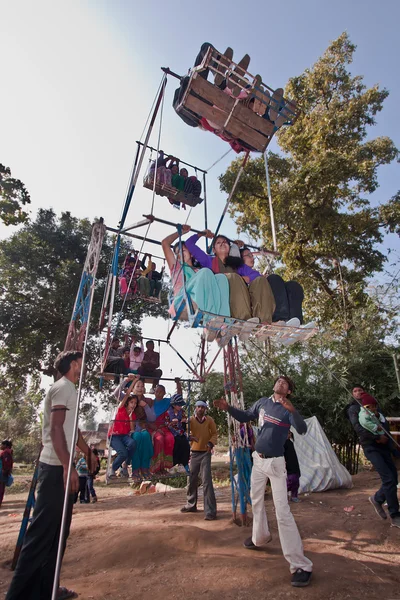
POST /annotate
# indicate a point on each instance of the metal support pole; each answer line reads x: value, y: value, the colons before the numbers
x: 238, y: 176
x: 271, y: 209
x: 139, y: 161
x: 396, y: 368
x: 60, y: 551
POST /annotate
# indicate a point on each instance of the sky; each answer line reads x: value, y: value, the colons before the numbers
x: 79, y: 79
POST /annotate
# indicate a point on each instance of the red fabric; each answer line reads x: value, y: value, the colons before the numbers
x: 215, y: 265
x: 122, y: 423
x: 163, y: 443
x: 6, y: 456
x: 234, y: 144
x: 368, y: 399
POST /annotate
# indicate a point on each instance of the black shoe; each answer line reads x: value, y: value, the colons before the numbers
x: 301, y: 578
x: 210, y: 517
x: 395, y: 521
x: 186, y: 509
x: 380, y: 511
x: 248, y: 543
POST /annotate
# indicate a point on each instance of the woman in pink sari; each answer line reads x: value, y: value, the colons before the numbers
x: 163, y: 439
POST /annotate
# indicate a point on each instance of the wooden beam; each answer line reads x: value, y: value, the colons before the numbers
x: 235, y: 127
x: 213, y: 94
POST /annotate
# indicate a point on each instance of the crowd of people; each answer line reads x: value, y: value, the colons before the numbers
x: 228, y: 285
x: 167, y: 173
x: 236, y: 85
x: 140, y: 279
x: 123, y: 360
x: 148, y: 435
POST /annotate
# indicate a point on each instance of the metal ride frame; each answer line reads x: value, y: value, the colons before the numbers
x: 239, y: 452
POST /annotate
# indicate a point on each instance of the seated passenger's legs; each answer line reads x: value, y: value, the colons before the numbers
x: 117, y: 366
x: 282, y: 309
x: 155, y: 287
x: 181, y: 451
x: 144, y: 451
x: 239, y: 297
x: 199, y: 58
x: 147, y: 372
x: 262, y: 299
x: 210, y: 292
x: 123, y: 286
x: 163, y: 442
x: 143, y: 286
x: 295, y: 295
x: 124, y: 446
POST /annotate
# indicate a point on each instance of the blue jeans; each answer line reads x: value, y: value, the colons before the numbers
x: 383, y: 463
x: 155, y: 287
x: 92, y: 491
x: 125, y: 447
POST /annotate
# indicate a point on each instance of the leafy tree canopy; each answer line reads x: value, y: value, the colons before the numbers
x: 13, y: 196
x: 326, y: 227
x: 40, y: 270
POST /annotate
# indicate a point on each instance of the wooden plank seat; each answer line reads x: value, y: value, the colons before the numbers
x: 162, y: 189
x: 232, y: 117
x: 277, y: 332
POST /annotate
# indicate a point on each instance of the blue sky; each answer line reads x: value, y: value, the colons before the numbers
x: 79, y: 79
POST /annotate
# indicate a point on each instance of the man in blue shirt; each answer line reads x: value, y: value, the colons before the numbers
x: 275, y: 415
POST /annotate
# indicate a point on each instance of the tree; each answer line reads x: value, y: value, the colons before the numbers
x: 40, y: 270
x: 90, y: 423
x: 327, y: 230
x: 13, y: 196
x: 19, y: 412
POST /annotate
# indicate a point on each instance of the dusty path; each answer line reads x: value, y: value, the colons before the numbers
x: 127, y: 547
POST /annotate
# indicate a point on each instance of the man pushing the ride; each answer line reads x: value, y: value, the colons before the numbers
x: 275, y: 415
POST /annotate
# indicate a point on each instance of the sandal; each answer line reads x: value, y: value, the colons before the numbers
x: 146, y: 474
x: 64, y: 593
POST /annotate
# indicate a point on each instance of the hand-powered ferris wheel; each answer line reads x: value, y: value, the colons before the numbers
x: 217, y: 289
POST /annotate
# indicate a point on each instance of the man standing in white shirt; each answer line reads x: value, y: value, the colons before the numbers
x: 34, y: 575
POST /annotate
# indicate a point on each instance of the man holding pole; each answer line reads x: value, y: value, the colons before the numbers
x: 34, y: 575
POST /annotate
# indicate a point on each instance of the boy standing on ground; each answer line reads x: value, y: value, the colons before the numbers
x: 203, y: 435
x: 34, y: 576
x: 275, y: 416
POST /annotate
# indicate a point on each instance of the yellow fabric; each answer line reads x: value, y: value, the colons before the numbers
x: 147, y: 271
x: 205, y: 432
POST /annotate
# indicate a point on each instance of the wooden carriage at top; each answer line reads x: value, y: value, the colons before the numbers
x: 234, y: 118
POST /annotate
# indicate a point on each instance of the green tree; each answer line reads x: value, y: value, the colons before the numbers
x: 19, y: 412
x: 327, y: 229
x: 40, y: 270
x: 13, y: 196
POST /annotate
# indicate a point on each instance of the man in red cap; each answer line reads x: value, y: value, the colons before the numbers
x: 377, y: 448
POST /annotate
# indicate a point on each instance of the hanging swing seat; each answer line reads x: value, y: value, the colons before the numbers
x: 277, y: 332
x: 163, y: 189
x: 234, y: 118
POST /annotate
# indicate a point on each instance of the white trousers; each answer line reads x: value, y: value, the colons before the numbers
x: 274, y: 469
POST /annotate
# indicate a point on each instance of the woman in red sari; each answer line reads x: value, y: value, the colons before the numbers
x: 163, y: 439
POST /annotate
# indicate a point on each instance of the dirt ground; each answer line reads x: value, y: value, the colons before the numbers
x: 127, y: 546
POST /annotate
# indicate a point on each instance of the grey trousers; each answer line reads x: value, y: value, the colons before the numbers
x: 200, y: 463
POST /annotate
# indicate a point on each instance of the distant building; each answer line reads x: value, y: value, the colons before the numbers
x: 97, y: 439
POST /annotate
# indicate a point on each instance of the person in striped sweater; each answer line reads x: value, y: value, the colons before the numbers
x: 275, y: 416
